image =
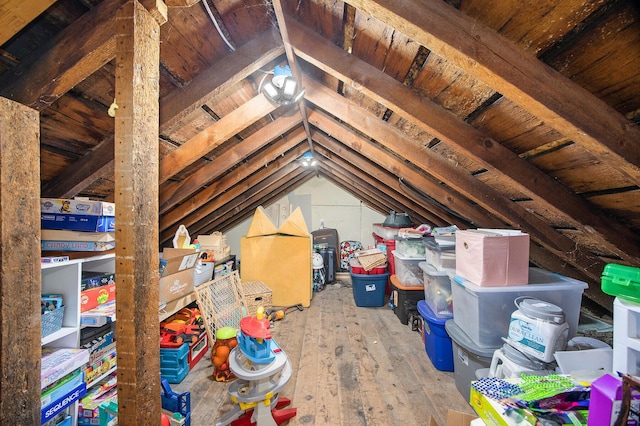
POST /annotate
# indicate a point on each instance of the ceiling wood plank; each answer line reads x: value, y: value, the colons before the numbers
x: 214, y: 135
x: 66, y: 60
x: 16, y: 14
x: 240, y: 64
x: 521, y: 77
x: 208, y: 173
x: 464, y: 137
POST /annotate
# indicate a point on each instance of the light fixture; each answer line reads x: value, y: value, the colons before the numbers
x: 283, y: 89
x: 308, y: 160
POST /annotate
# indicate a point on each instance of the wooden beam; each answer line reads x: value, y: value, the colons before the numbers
x: 57, y: 66
x: 209, y: 138
x: 136, y: 197
x: 465, y: 139
x: 16, y: 14
x: 20, y: 277
x: 293, y: 64
x: 171, y: 195
x: 516, y: 74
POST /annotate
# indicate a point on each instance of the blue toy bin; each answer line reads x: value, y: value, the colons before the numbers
x: 368, y: 290
x: 437, y: 342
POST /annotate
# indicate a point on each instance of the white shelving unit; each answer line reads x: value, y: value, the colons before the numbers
x: 65, y: 278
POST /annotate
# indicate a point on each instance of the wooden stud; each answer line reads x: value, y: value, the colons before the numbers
x: 20, y: 276
x: 136, y: 197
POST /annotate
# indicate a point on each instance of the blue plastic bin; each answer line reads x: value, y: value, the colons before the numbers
x: 437, y: 342
x: 368, y: 290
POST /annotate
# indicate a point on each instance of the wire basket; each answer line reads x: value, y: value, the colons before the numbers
x: 221, y: 303
x: 52, y: 321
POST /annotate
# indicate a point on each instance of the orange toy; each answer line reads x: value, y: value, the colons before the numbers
x: 225, y: 341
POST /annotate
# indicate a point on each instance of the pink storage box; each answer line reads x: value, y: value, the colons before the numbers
x: 493, y: 257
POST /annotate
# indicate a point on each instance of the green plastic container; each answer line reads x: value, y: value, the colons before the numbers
x: 622, y: 281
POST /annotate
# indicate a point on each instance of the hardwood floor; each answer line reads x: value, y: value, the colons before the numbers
x: 351, y: 366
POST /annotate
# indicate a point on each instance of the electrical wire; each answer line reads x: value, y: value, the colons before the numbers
x: 426, y: 197
x: 215, y: 24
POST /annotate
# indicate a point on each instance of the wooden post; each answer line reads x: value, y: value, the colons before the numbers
x: 136, y: 197
x: 19, y: 264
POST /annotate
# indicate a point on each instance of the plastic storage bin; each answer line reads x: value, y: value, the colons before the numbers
x: 407, y: 270
x: 410, y: 247
x: 622, y: 281
x: 467, y: 358
x: 483, y: 313
x: 386, y: 232
x: 437, y: 342
x: 440, y: 252
x: 368, y: 290
x: 437, y: 289
x: 403, y: 299
x: 174, y: 363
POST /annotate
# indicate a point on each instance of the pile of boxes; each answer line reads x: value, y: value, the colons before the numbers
x: 77, y: 225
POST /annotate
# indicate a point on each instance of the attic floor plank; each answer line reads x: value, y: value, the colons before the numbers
x: 351, y: 366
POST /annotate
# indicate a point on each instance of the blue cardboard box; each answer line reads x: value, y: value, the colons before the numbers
x: 74, y: 222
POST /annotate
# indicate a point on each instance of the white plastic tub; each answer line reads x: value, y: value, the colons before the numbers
x: 483, y: 313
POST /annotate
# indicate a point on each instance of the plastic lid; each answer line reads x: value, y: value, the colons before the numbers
x: 537, y: 277
x: 429, y: 269
x: 521, y: 359
x: 457, y: 335
x: 539, y: 309
x: 427, y: 313
x: 399, y: 255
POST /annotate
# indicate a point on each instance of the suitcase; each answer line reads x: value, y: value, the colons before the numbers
x: 328, y: 237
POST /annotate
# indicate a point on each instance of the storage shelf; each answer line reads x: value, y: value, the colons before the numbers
x: 102, y: 376
x: 63, y: 332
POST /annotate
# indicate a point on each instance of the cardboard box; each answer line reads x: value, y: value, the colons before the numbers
x: 66, y: 235
x: 177, y: 259
x: 74, y: 222
x: 76, y: 246
x: 455, y: 418
x: 77, y: 206
x: 606, y: 401
x: 93, y: 297
x: 176, y: 273
x: 280, y: 258
x: 493, y: 257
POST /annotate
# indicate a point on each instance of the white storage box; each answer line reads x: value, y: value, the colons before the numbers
x: 483, y: 313
x: 437, y: 289
x: 407, y: 270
